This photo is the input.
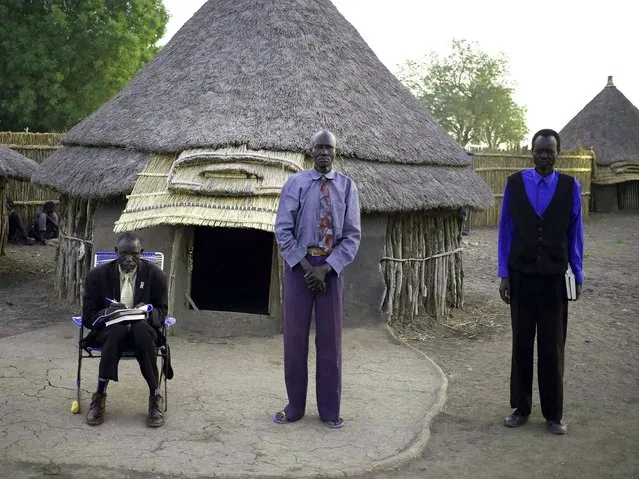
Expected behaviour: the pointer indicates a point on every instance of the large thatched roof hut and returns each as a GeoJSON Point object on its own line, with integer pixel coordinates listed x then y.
{"type": "Point", "coordinates": [203, 138]}
{"type": "Point", "coordinates": [609, 124]}
{"type": "Point", "coordinates": [12, 165]}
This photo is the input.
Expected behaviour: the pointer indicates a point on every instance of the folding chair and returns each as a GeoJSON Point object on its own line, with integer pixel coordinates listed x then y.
{"type": "Point", "coordinates": [85, 352]}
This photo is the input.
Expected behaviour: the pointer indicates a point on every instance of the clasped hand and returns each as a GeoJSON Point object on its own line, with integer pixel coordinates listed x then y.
{"type": "Point", "coordinates": [315, 276]}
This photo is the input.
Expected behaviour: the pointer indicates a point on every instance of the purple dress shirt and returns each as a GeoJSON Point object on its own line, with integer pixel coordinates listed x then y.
{"type": "Point", "coordinates": [297, 221]}
{"type": "Point", "coordinates": [540, 191]}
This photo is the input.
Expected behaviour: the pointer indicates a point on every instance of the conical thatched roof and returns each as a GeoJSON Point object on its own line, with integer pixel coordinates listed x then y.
{"type": "Point", "coordinates": [267, 75]}
{"type": "Point", "coordinates": [609, 124]}
{"type": "Point", "coordinates": [14, 165]}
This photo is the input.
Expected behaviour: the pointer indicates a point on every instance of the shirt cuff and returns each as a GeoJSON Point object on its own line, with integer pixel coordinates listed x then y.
{"type": "Point", "coordinates": [335, 264]}
{"type": "Point", "coordinates": [502, 271]}
{"type": "Point", "coordinates": [579, 277]}
{"type": "Point", "coordinates": [295, 256]}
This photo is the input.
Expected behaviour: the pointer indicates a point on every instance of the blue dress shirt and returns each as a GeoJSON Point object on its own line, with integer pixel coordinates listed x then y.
{"type": "Point", "coordinates": [540, 191]}
{"type": "Point", "coordinates": [297, 221]}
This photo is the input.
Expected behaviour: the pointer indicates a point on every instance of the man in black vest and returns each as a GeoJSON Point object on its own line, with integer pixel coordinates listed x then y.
{"type": "Point", "coordinates": [540, 233]}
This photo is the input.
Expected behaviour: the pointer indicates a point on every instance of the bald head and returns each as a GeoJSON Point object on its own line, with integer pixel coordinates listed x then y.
{"type": "Point", "coordinates": [323, 137]}
{"type": "Point", "coordinates": [323, 150]}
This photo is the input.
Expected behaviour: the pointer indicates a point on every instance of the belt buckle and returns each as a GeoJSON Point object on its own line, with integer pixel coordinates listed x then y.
{"type": "Point", "coordinates": [315, 251]}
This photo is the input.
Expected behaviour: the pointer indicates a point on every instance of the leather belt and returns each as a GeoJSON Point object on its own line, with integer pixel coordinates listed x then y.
{"type": "Point", "coordinates": [318, 252]}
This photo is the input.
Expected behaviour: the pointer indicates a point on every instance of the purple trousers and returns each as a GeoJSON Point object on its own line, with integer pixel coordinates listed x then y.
{"type": "Point", "coordinates": [298, 308]}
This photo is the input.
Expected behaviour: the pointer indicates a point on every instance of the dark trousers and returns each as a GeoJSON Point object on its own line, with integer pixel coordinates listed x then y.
{"type": "Point", "coordinates": [136, 336]}
{"type": "Point", "coordinates": [41, 236]}
{"type": "Point", "coordinates": [538, 302]}
{"type": "Point", "coordinates": [298, 308]}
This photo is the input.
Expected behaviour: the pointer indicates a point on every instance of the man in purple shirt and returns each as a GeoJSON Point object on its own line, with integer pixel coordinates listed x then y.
{"type": "Point", "coordinates": [318, 231]}
{"type": "Point", "coordinates": [540, 233]}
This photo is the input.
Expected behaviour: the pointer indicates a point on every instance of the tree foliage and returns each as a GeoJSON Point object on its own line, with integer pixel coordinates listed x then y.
{"type": "Point", "coordinates": [62, 59]}
{"type": "Point", "coordinates": [469, 95]}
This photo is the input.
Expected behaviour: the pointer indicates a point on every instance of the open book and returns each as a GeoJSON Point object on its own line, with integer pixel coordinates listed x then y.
{"type": "Point", "coordinates": [121, 315]}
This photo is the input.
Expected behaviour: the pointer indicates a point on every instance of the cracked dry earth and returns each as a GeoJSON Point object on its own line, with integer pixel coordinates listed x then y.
{"type": "Point", "coordinates": [220, 406]}
{"type": "Point", "coordinates": [467, 438]}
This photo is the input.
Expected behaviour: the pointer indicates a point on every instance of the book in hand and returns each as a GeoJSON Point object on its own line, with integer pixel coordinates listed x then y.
{"type": "Point", "coordinates": [571, 286]}
{"type": "Point", "coordinates": [123, 315]}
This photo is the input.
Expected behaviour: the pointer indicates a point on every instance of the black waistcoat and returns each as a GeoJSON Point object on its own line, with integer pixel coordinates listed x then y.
{"type": "Point", "coordinates": [540, 243]}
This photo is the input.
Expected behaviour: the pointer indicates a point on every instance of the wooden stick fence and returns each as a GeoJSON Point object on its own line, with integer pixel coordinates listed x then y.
{"type": "Point", "coordinates": [75, 250]}
{"type": "Point", "coordinates": [422, 266]}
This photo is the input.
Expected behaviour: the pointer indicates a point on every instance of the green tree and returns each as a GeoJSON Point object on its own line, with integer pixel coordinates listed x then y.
{"type": "Point", "coordinates": [469, 95]}
{"type": "Point", "coordinates": [62, 59]}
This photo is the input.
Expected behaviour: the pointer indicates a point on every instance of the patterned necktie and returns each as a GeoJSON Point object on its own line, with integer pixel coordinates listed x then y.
{"type": "Point", "coordinates": [126, 295]}
{"type": "Point", "coordinates": [325, 217]}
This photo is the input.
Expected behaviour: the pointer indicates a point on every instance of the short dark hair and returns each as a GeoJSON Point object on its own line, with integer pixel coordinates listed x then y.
{"type": "Point", "coordinates": [48, 207]}
{"type": "Point", "coordinates": [128, 236]}
{"type": "Point", "coordinates": [9, 202]}
{"type": "Point", "coordinates": [547, 132]}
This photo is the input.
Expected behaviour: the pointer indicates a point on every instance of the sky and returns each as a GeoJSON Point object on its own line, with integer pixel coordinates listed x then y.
{"type": "Point", "coordinates": [560, 53]}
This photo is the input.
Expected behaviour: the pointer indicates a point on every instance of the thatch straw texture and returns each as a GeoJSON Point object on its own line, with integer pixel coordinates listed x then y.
{"type": "Point", "coordinates": [91, 172]}
{"type": "Point", "coordinates": [266, 76]}
{"type": "Point", "coordinates": [609, 124]}
{"type": "Point", "coordinates": [152, 203]}
{"type": "Point", "coordinates": [232, 172]}
{"type": "Point", "coordinates": [495, 168]}
{"type": "Point", "coordinates": [404, 188]}
{"type": "Point", "coordinates": [616, 173]}
{"type": "Point", "coordinates": [15, 165]}
{"type": "Point", "coordinates": [240, 187]}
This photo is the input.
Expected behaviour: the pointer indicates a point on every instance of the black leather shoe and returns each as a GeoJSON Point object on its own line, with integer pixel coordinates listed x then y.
{"type": "Point", "coordinates": [558, 428]}
{"type": "Point", "coordinates": [155, 417]}
{"type": "Point", "coordinates": [516, 419]}
{"type": "Point", "coordinates": [95, 415]}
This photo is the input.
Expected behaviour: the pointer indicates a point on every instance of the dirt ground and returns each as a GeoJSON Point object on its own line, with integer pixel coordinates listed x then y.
{"type": "Point", "coordinates": [601, 380]}
{"type": "Point", "coordinates": [468, 439]}
{"type": "Point", "coordinates": [27, 300]}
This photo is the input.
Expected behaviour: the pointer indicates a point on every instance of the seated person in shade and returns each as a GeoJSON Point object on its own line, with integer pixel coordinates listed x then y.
{"type": "Point", "coordinates": [45, 224]}
{"type": "Point", "coordinates": [17, 231]}
{"type": "Point", "coordinates": [126, 282]}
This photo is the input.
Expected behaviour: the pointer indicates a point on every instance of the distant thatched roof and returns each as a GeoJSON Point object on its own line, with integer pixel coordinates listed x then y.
{"type": "Point", "coordinates": [91, 172]}
{"type": "Point", "coordinates": [609, 124]}
{"type": "Point", "coordinates": [14, 165]}
{"type": "Point", "coordinates": [267, 75]}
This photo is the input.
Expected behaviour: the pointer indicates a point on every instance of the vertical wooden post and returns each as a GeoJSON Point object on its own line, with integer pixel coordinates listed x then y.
{"type": "Point", "coordinates": [178, 242]}
{"type": "Point", "coordinates": [275, 287]}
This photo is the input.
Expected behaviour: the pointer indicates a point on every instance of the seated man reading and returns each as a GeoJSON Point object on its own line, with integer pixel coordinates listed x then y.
{"type": "Point", "coordinates": [126, 282]}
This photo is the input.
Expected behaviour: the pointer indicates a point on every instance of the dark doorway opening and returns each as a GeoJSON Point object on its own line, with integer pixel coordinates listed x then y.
{"type": "Point", "coordinates": [232, 269]}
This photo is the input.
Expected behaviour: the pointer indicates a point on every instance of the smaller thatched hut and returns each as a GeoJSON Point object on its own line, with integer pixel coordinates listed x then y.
{"type": "Point", "coordinates": [12, 165]}
{"type": "Point", "coordinates": [609, 125]}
